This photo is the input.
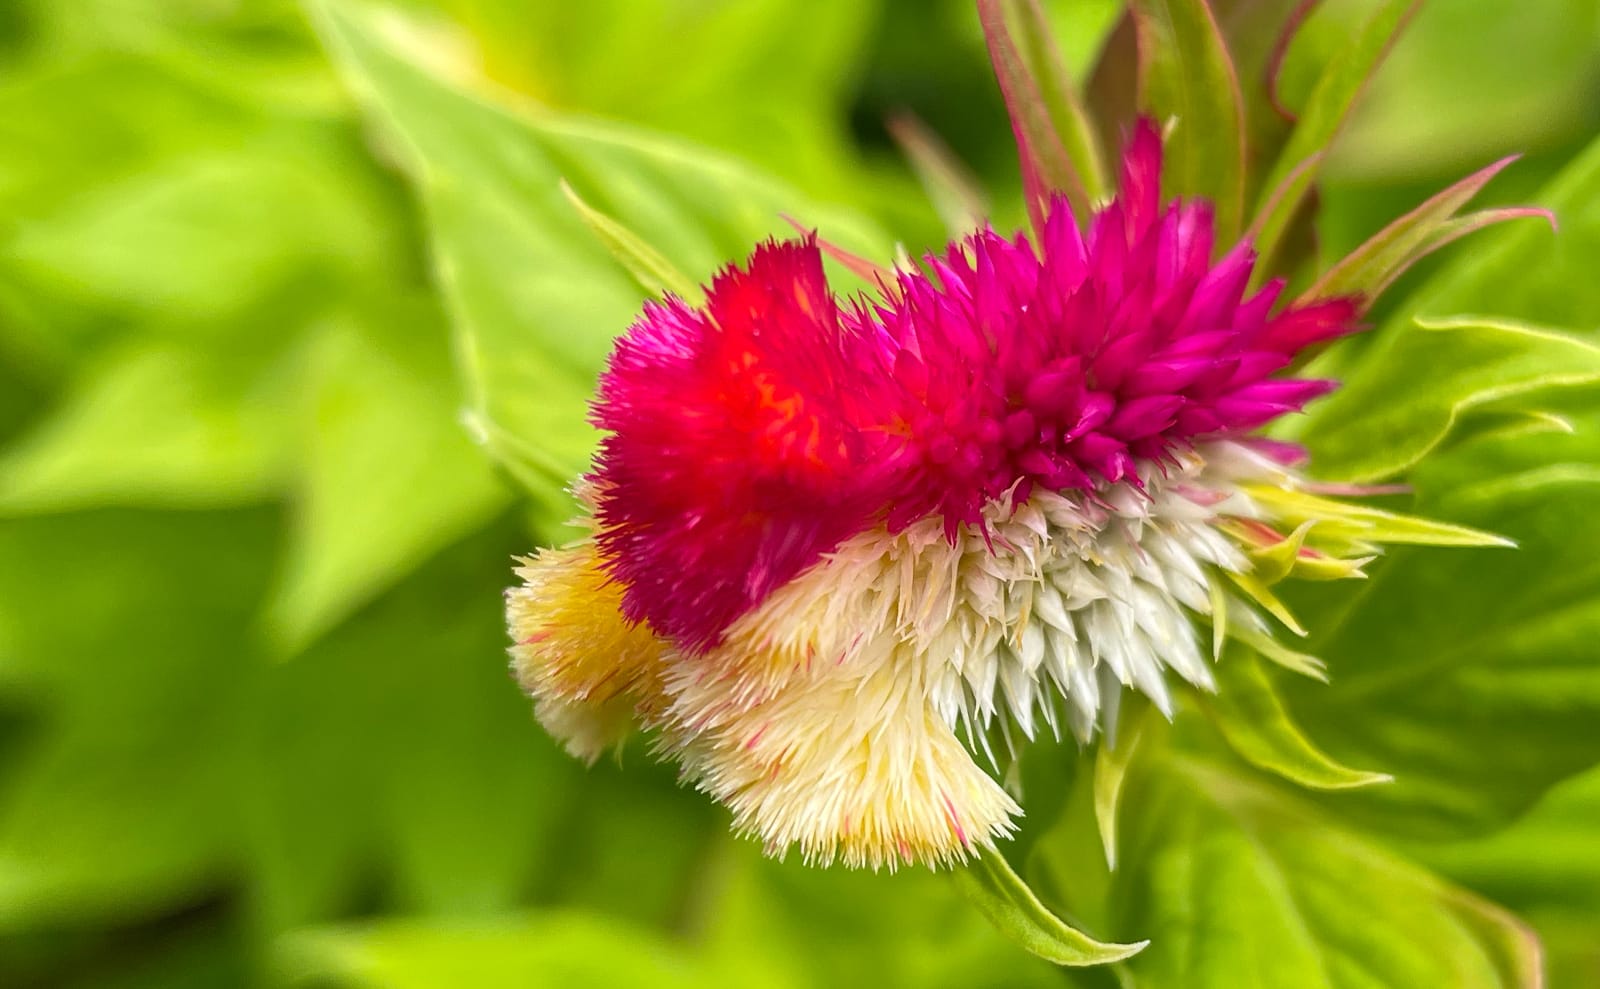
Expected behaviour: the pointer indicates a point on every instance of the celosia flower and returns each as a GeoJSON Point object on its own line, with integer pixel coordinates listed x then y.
{"type": "Point", "coordinates": [840, 548]}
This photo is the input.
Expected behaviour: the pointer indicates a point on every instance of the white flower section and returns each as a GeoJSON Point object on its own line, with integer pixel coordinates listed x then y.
{"type": "Point", "coordinates": [1067, 598]}
{"type": "Point", "coordinates": [830, 717]}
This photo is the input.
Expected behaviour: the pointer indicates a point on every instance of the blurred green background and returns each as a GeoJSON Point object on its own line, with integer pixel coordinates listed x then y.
{"type": "Point", "coordinates": [255, 720]}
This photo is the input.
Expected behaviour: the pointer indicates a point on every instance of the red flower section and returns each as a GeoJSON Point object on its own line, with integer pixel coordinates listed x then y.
{"type": "Point", "coordinates": [732, 462]}
{"type": "Point", "coordinates": [752, 436]}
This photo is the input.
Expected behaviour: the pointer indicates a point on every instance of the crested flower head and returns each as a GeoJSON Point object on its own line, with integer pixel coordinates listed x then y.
{"type": "Point", "coordinates": [752, 436]}
{"type": "Point", "coordinates": [840, 547]}
{"type": "Point", "coordinates": [845, 555]}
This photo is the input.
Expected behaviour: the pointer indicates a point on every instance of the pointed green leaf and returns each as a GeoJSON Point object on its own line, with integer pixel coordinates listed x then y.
{"type": "Point", "coordinates": [1261, 594]}
{"type": "Point", "coordinates": [1062, 98]}
{"type": "Point", "coordinates": [996, 890]}
{"type": "Point", "coordinates": [1387, 417]}
{"type": "Point", "coordinates": [159, 425]}
{"type": "Point", "coordinates": [954, 190]}
{"type": "Point", "coordinates": [1338, 87]}
{"type": "Point", "coordinates": [1386, 255]}
{"type": "Point", "coordinates": [390, 476]}
{"type": "Point", "coordinates": [654, 273]}
{"type": "Point", "coordinates": [1358, 522]}
{"type": "Point", "coordinates": [1244, 884]}
{"type": "Point", "coordinates": [1521, 270]}
{"type": "Point", "coordinates": [536, 300]}
{"type": "Point", "coordinates": [1243, 624]}
{"type": "Point", "coordinates": [1111, 764]}
{"type": "Point", "coordinates": [1187, 77]}
{"type": "Point", "coordinates": [1247, 710]}
{"type": "Point", "coordinates": [1047, 168]}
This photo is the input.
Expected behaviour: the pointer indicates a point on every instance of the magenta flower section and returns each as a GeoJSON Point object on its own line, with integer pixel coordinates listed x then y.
{"type": "Point", "coordinates": [750, 436]}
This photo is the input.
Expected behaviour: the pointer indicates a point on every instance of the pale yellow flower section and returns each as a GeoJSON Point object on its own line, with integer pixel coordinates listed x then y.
{"type": "Point", "coordinates": [843, 756]}
{"type": "Point", "coordinates": [587, 668]}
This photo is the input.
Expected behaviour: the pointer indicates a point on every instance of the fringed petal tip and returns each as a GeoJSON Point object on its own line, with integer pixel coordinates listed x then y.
{"type": "Point", "coordinates": [587, 668]}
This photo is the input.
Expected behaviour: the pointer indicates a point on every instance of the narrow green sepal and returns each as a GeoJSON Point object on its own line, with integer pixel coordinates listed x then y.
{"type": "Point", "coordinates": [1342, 519]}
{"type": "Point", "coordinates": [654, 273]}
{"type": "Point", "coordinates": [1255, 722]}
{"type": "Point", "coordinates": [990, 883]}
{"type": "Point", "coordinates": [1111, 764]}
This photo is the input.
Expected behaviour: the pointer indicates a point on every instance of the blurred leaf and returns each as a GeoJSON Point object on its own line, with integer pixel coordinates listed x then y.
{"type": "Point", "coordinates": [1240, 885]}
{"type": "Point", "coordinates": [158, 425]}
{"type": "Point", "coordinates": [200, 239]}
{"type": "Point", "coordinates": [1062, 96]}
{"type": "Point", "coordinates": [1369, 269]}
{"type": "Point", "coordinates": [654, 273]}
{"type": "Point", "coordinates": [1525, 272]}
{"type": "Point", "coordinates": [125, 628]}
{"type": "Point", "coordinates": [1546, 867]}
{"type": "Point", "coordinates": [549, 950]}
{"type": "Point", "coordinates": [836, 927]}
{"type": "Point", "coordinates": [397, 758]}
{"type": "Point", "coordinates": [1001, 895]}
{"type": "Point", "coordinates": [536, 300]}
{"type": "Point", "coordinates": [953, 190]}
{"type": "Point", "coordinates": [1253, 720]}
{"type": "Point", "coordinates": [1472, 81]}
{"type": "Point", "coordinates": [201, 947]}
{"type": "Point", "coordinates": [1048, 167]}
{"type": "Point", "coordinates": [1549, 858]}
{"type": "Point", "coordinates": [1187, 76]}
{"type": "Point", "coordinates": [99, 119]}
{"type": "Point", "coordinates": [390, 475]}
{"type": "Point", "coordinates": [766, 79]}
{"type": "Point", "coordinates": [1111, 764]}
{"type": "Point", "coordinates": [1470, 674]}
{"type": "Point", "coordinates": [1385, 419]}
{"type": "Point", "coordinates": [1341, 82]}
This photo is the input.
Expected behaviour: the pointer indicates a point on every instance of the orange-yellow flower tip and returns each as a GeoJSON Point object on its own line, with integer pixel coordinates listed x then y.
{"type": "Point", "coordinates": [586, 666]}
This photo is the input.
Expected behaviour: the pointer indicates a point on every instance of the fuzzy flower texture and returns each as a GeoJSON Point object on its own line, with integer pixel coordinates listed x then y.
{"type": "Point", "coordinates": [846, 555]}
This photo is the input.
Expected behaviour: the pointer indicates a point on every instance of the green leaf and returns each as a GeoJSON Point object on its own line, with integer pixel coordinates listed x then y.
{"type": "Point", "coordinates": [1240, 884]}
{"type": "Point", "coordinates": [1470, 673]}
{"type": "Point", "coordinates": [1371, 268]}
{"type": "Point", "coordinates": [159, 425]}
{"type": "Point", "coordinates": [1355, 522]}
{"type": "Point", "coordinates": [654, 273]}
{"type": "Point", "coordinates": [955, 192]}
{"type": "Point", "coordinates": [551, 949]}
{"type": "Point", "coordinates": [769, 80]}
{"type": "Point", "coordinates": [201, 239]}
{"type": "Point", "coordinates": [1250, 716]}
{"type": "Point", "coordinates": [1474, 81]}
{"type": "Point", "coordinates": [1062, 98]}
{"type": "Point", "coordinates": [1521, 271]}
{"type": "Point", "coordinates": [78, 124]}
{"type": "Point", "coordinates": [1047, 166]}
{"type": "Point", "coordinates": [398, 750]}
{"type": "Point", "coordinates": [1546, 866]}
{"type": "Point", "coordinates": [536, 301]}
{"type": "Point", "coordinates": [1001, 895]}
{"type": "Point", "coordinates": [836, 927]}
{"type": "Point", "coordinates": [1386, 419]}
{"type": "Point", "coordinates": [122, 633]}
{"type": "Point", "coordinates": [1187, 76]}
{"type": "Point", "coordinates": [1111, 764]}
{"type": "Point", "coordinates": [1338, 87]}
{"type": "Point", "coordinates": [390, 476]}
